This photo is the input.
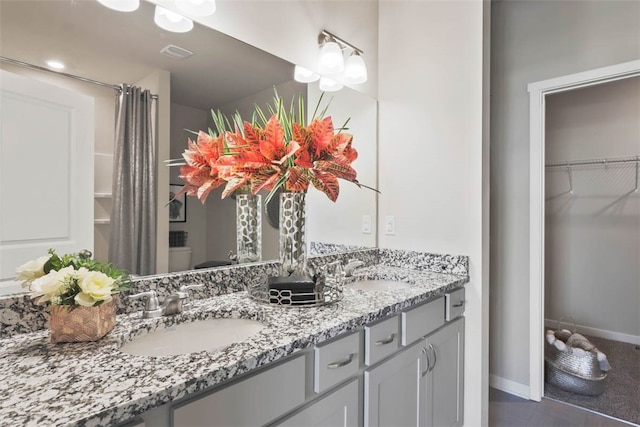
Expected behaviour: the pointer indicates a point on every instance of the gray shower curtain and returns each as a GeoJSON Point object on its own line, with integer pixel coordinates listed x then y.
{"type": "Point", "coordinates": [132, 245]}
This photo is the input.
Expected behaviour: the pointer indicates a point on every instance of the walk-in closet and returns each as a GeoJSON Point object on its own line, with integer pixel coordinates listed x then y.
{"type": "Point", "coordinates": [592, 234]}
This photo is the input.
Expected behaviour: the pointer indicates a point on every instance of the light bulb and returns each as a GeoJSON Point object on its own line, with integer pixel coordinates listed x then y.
{"type": "Point", "coordinates": [171, 21]}
{"type": "Point", "coordinates": [197, 7]}
{"type": "Point", "coordinates": [329, 85]}
{"type": "Point", "coordinates": [355, 70]}
{"type": "Point", "coordinates": [121, 5]}
{"type": "Point", "coordinates": [331, 59]}
{"type": "Point", "coordinates": [303, 75]}
{"type": "Point", "coordinates": [56, 65]}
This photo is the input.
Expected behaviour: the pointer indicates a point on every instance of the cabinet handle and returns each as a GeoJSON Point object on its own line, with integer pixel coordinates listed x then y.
{"type": "Point", "coordinates": [387, 340]}
{"type": "Point", "coordinates": [341, 363]}
{"type": "Point", "coordinates": [459, 304]}
{"type": "Point", "coordinates": [426, 353]}
{"type": "Point", "coordinates": [435, 357]}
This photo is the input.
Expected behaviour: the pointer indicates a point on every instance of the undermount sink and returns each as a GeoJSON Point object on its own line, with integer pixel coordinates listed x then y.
{"type": "Point", "coordinates": [192, 337]}
{"type": "Point", "coordinates": [378, 285]}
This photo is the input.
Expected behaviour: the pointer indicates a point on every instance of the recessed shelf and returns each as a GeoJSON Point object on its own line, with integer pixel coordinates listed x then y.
{"type": "Point", "coordinates": [101, 221]}
{"type": "Point", "coordinates": [102, 195]}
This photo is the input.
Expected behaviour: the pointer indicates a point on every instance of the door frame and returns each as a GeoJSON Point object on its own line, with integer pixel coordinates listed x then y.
{"type": "Point", "coordinates": [537, 98]}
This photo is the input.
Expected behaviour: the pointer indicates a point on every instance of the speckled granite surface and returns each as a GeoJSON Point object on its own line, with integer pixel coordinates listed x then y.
{"type": "Point", "coordinates": [95, 384]}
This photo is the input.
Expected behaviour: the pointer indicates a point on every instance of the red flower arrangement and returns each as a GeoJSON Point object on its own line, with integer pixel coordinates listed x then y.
{"type": "Point", "coordinates": [282, 153]}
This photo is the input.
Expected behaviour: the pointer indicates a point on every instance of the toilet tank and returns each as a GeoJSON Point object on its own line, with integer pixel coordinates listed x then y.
{"type": "Point", "coordinates": [179, 259]}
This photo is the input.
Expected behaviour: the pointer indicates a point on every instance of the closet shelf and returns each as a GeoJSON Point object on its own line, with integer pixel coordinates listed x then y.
{"type": "Point", "coordinates": [101, 221]}
{"type": "Point", "coordinates": [603, 162]}
{"type": "Point", "coordinates": [102, 195]}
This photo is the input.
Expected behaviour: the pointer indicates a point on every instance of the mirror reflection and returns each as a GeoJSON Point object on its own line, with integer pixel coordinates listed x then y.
{"type": "Point", "coordinates": [221, 73]}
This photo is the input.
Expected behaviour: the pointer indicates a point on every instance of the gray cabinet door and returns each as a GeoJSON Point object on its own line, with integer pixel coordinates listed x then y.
{"type": "Point", "coordinates": [338, 409]}
{"type": "Point", "coordinates": [393, 390]}
{"type": "Point", "coordinates": [444, 381]}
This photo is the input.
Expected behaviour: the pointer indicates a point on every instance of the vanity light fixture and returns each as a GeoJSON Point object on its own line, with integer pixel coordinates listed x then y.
{"type": "Point", "coordinates": [171, 21]}
{"type": "Point", "coordinates": [303, 75]}
{"type": "Point", "coordinates": [55, 64]}
{"type": "Point", "coordinates": [331, 61]}
{"type": "Point", "coordinates": [197, 7]}
{"type": "Point", "coordinates": [355, 70]}
{"type": "Point", "coordinates": [329, 85]}
{"type": "Point", "coordinates": [121, 5]}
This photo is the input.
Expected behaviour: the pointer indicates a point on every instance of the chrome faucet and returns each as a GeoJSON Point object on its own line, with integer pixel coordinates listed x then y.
{"type": "Point", "coordinates": [351, 266]}
{"type": "Point", "coordinates": [173, 304]}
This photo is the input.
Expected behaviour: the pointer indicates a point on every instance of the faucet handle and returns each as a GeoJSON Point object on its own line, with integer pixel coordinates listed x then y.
{"type": "Point", "coordinates": [183, 293]}
{"type": "Point", "coordinates": [151, 305]}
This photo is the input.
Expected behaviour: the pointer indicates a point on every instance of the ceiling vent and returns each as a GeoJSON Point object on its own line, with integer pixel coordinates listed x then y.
{"type": "Point", "coordinates": [176, 51]}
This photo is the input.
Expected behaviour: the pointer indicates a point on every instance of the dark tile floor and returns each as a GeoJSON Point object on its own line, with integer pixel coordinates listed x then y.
{"type": "Point", "coordinates": [506, 410]}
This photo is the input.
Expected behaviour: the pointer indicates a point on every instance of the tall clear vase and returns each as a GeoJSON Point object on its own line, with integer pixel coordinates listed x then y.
{"type": "Point", "coordinates": [292, 226]}
{"type": "Point", "coordinates": [248, 227]}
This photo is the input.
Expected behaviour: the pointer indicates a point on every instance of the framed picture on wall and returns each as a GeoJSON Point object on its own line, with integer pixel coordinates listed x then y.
{"type": "Point", "coordinates": [177, 205]}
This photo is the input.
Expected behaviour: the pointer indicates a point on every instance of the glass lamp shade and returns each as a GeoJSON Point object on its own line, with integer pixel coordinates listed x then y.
{"type": "Point", "coordinates": [304, 75]}
{"type": "Point", "coordinates": [331, 60]}
{"type": "Point", "coordinates": [172, 21]}
{"type": "Point", "coordinates": [355, 70]}
{"type": "Point", "coordinates": [329, 85]}
{"type": "Point", "coordinates": [197, 7]}
{"type": "Point", "coordinates": [121, 5]}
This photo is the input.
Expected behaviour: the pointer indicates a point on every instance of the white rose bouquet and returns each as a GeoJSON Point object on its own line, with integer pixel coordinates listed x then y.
{"type": "Point", "coordinates": [71, 280]}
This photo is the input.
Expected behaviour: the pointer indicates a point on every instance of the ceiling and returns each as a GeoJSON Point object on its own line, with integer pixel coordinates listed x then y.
{"type": "Point", "coordinates": [116, 47]}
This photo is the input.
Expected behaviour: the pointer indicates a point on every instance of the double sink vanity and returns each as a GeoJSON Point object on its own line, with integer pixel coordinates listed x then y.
{"type": "Point", "coordinates": [389, 353]}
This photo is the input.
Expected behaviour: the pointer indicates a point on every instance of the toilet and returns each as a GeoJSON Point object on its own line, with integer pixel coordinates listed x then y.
{"type": "Point", "coordinates": [179, 258]}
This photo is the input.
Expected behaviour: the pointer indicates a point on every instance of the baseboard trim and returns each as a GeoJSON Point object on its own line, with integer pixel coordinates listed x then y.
{"type": "Point", "coordinates": [595, 332]}
{"type": "Point", "coordinates": [509, 386]}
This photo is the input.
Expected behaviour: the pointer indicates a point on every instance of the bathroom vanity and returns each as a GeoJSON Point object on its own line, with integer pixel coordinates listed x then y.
{"type": "Point", "coordinates": [376, 358]}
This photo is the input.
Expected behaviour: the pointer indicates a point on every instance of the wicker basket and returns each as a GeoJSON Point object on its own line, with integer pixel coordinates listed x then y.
{"type": "Point", "coordinates": [82, 323]}
{"type": "Point", "coordinates": [571, 372]}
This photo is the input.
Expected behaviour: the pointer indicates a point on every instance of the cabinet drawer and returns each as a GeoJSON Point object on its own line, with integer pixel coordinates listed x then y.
{"type": "Point", "coordinates": [381, 340]}
{"type": "Point", "coordinates": [422, 320]}
{"type": "Point", "coordinates": [253, 401]}
{"type": "Point", "coordinates": [454, 303]}
{"type": "Point", "coordinates": [335, 361]}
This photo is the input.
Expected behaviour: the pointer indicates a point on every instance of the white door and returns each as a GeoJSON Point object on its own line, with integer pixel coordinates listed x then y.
{"type": "Point", "coordinates": [46, 172]}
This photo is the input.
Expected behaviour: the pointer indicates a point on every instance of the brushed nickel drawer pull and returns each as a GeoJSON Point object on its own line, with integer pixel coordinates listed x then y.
{"type": "Point", "coordinates": [459, 304]}
{"type": "Point", "coordinates": [341, 363]}
{"type": "Point", "coordinates": [387, 340]}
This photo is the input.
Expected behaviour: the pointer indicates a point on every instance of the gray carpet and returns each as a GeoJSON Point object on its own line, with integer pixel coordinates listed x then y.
{"type": "Point", "coordinates": [621, 398]}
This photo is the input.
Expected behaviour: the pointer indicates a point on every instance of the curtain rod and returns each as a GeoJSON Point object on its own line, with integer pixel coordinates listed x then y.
{"type": "Point", "coordinates": [72, 76]}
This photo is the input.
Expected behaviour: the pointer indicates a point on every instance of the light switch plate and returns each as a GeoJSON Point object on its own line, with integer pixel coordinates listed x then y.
{"type": "Point", "coordinates": [366, 224]}
{"type": "Point", "coordinates": [390, 225]}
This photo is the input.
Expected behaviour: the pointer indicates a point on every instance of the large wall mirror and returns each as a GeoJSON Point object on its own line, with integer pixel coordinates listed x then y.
{"type": "Point", "coordinates": [223, 73]}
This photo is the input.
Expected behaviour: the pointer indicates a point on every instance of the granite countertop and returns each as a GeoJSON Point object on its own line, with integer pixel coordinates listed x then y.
{"type": "Point", "coordinates": [95, 384]}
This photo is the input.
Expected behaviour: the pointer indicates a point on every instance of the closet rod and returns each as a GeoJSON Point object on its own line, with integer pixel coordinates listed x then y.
{"type": "Point", "coordinates": [604, 161]}
{"type": "Point", "coordinates": [72, 76]}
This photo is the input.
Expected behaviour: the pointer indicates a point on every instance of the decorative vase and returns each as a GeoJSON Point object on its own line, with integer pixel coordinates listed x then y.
{"type": "Point", "coordinates": [82, 323]}
{"type": "Point", "coordinates": [292, 227]}
{"type": "Point", "coordinates": [248, 227]}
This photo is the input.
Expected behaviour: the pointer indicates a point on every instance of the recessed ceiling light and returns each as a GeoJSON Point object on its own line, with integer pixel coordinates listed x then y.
{"type": "Point", "coordinates": [56, 65]}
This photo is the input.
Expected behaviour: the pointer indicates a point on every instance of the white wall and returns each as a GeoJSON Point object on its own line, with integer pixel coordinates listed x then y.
{"type": "Point", "coordinates": [341, 221]}
{"type": "Point", "coordinates": [534, 41]}
{"type": "Point", "coordinates": [592, 241]}
{"type": "Point", "coordinates": [183, 117]}
{"type": "Point", "coordinates": [431, 150]}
